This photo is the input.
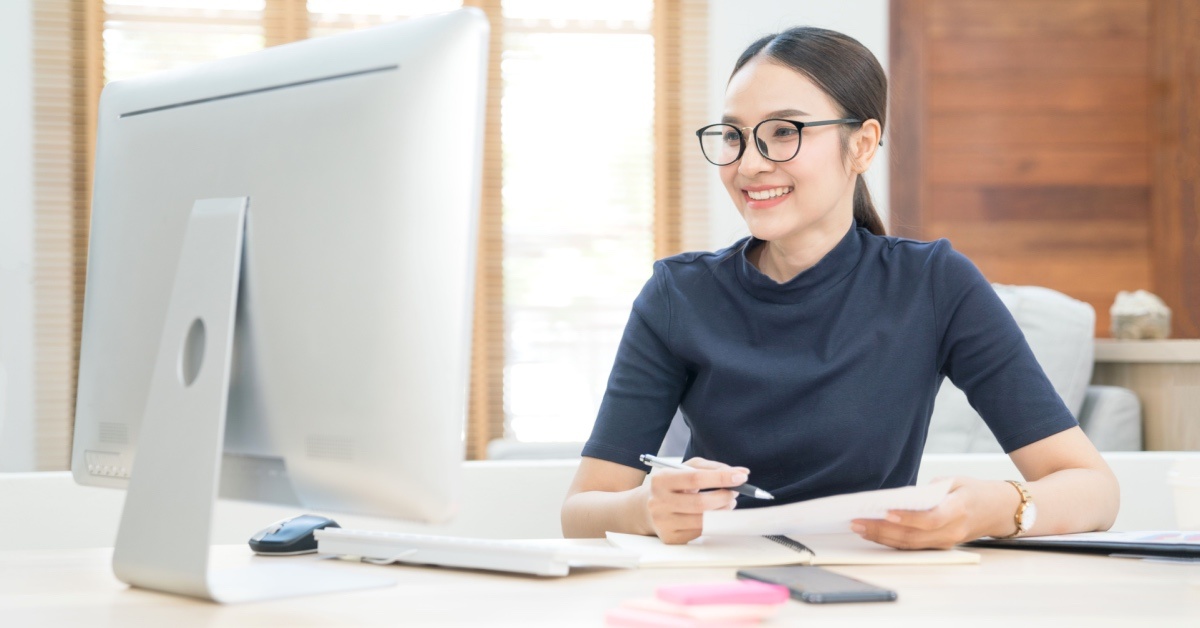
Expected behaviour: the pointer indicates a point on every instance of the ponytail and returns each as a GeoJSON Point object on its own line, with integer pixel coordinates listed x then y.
{"type": "Point", "coordinates": [864, 209]}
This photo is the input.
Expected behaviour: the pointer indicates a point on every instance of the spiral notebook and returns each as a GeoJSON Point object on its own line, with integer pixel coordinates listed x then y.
{"type": "Point", "coordinates": [761, 551]}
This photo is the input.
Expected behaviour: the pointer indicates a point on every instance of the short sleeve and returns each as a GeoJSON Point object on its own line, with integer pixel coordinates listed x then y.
{"type": "Point", "coordinates": [984, 352]}
{"type": "Point", "coordinates": [645, 385]}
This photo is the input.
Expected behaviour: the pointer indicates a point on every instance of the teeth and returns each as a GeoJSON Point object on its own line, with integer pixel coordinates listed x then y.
{"type": "Point", "coordinates": [763, 195]}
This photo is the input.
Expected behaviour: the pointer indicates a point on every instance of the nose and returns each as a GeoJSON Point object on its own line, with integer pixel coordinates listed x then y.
{"type": "Point", "coordinates": [753, 162]}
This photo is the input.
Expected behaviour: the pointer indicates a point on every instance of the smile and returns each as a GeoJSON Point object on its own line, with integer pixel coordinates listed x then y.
{"type": "Point", "coordinates": [762, 195]}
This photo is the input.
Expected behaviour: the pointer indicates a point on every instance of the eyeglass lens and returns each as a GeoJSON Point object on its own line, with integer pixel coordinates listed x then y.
{"type": "Point", "coordinates": [777, 140]}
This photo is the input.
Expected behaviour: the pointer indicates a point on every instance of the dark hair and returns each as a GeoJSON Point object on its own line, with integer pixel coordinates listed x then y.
{"type": "Point", "coordinates": [845, 70]}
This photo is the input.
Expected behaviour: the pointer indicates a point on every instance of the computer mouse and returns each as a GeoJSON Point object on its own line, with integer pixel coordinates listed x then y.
{"type": "Point", "coordinates": [290, 536]}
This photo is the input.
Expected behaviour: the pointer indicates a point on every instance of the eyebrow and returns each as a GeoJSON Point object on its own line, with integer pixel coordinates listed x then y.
{"type": "Point", "coordinates": [782, 113]}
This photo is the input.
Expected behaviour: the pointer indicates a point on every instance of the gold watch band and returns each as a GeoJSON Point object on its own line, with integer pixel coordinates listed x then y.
{"type": "Point", "coordinates": [1026, 499]}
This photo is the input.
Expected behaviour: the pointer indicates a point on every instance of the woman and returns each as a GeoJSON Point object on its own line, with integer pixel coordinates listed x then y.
{"type": "Point", "coordinates": [811, 351]}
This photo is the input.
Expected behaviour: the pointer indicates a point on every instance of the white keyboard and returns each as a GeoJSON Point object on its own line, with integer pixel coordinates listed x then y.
{"type": "Point", "coordinates": [541, 557]}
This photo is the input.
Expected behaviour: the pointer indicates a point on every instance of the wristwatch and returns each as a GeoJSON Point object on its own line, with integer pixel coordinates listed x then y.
{"type": "Point", "coordinates": [1026, 513]}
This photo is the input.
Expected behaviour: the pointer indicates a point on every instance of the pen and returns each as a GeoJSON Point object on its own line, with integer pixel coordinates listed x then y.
{"type": "Point", "coordinates": [745, 489]}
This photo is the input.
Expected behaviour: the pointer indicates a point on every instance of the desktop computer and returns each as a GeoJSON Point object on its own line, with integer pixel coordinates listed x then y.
{"type": "Point", "coordinates": [279, 292]}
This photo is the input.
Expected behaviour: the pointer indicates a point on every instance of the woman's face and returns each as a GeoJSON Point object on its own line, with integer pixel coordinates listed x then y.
{"type": "Point", "coordinates": [812, 191]}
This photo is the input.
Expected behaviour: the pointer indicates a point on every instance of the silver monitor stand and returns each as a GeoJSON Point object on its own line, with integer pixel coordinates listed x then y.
{"type": "Point", "coordinates": [163, 539]}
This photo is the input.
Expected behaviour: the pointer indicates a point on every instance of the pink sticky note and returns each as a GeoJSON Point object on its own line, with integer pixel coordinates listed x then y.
{"type": "Point", "coordinates": [734, 592]}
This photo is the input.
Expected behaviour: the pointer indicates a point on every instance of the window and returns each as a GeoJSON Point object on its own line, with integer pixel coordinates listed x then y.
{"type": "Point", "coordinates": [143, 36]}
{"type": "Point", "coordinates": [571, 218]}
{"type": "Point", "coordinates": [578, 203]}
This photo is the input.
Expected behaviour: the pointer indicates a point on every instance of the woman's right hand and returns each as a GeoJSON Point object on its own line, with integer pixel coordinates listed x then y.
{"type": "Point", "coordinates": [678, 499]}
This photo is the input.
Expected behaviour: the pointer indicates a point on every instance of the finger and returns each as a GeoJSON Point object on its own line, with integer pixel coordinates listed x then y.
{"type": "Point", "coordinates": [701, 463]}
{"type": "Point", "coordinates": [679, 537]}
{"type": "Point", "coordinates": [900, 537]}
{"type": "Point", "coordinates": [698, 503]}
{"type": "Point", "coordinates": [907, 537]}
{"type": "Point", "coordinates": [701, 479]}
{"type": "Point", "coordinates": [668, 523]}
{"type": "Point", "coordinates": [921, 519]}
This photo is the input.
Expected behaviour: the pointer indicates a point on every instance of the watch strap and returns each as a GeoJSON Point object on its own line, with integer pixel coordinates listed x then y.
{"type": "Point", "coordinates": [1019, 515]}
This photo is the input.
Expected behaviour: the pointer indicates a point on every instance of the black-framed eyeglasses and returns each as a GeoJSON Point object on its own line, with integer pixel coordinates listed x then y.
{"type": "Point", "coordinates": [776, 139]}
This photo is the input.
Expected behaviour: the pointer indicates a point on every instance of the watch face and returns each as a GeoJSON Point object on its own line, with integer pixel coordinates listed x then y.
{"type": "Point", "coordinates": [1029, 516]}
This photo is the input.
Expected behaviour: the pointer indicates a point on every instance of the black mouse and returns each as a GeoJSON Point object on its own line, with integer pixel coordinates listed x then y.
{"type": "Point", "coordinates": [290, 536]}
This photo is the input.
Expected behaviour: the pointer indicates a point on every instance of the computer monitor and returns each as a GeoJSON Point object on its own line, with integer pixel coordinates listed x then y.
{"type": "Point", "coordinates": [324, 195]}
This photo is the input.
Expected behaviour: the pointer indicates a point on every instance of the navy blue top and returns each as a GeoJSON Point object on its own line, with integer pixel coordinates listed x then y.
{"type": "Point", "coordinates": [824, 384]}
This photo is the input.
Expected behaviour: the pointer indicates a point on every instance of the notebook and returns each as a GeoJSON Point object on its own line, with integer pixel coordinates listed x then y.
{"type": "Point", "coordinates": [761, 551]}
{"type": "Point", "coordinates": [1162, 543]}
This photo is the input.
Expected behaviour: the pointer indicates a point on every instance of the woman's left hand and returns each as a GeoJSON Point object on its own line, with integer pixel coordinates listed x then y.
{"type": "Point", "coordinates": [942, 527]}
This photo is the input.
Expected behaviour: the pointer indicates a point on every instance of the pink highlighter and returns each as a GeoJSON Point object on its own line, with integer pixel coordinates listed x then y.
{"type": "Point", "coordinates": [735, 592]}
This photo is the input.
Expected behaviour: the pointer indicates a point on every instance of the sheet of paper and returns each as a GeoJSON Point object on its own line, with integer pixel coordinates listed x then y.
{"type": "Point", "coordinates": [728, 551]}
{"type": "Point", "coordinates": [824, 515]}
{"type": "Point", "coordinates": [752, 551]}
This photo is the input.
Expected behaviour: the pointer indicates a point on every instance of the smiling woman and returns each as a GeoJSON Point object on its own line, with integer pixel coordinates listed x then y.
{"type": "Point", "coordinates": [811, 351]}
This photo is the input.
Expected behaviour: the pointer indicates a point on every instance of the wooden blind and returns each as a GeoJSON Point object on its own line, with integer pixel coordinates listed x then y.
{"type": "Point", "coordinates": [485, 420]}
{"type": "Point", "coordinates": [284, 21]}
{"type": "Point", "coordinates": [54, 227]}
{"type": "Point", "coordinates": [680, 87]}
{"type": "Point", "coordinates": [66, 42]}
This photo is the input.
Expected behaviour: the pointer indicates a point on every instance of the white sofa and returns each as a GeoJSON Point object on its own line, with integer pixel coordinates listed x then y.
{"type": "Point", "coordinates": [500, 499]}
{"type": "Point", "coordinates": [1060, 332]}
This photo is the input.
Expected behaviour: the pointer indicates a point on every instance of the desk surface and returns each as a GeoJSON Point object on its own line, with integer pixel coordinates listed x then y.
{"type": "Point", "coordinates": [1009, 588]}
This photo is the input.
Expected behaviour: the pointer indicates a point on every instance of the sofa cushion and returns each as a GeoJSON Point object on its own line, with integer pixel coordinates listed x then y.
{"type": "Point", "coordinates": [1060, 333]}
{"type": "Point", "coordinates": [1112, 418]}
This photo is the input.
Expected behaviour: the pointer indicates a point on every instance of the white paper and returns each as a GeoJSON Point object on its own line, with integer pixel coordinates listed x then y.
{"type": "Point", "coordinates": [752, 551]}
{"type": "Point", "coordinates": [824, 515]}
{"type": "Point", "coordinates": [727, 551]}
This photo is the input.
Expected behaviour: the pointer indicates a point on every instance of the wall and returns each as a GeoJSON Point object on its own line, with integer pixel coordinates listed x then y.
{"type": "Point", "coordinates": [1054, 143]}
{"type": "Point", "coordinates": [16, 236]}
{"type": "Point", "coordinates": [734, 24]}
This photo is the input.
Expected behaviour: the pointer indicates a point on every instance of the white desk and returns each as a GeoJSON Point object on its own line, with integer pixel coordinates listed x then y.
{"type": "Point", "coordinates": [1009, 589]}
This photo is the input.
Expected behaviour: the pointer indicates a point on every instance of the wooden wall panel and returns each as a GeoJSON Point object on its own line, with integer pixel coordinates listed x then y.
{"type": "Point", "coordinates": [1065, 95]}
{"type": "Point", "coordinates": [974, 130]}
{"type": "Point", "coordinates": [975, 203]}
{"type": "Point", "coordinates": [1033, 150]}
{"type": "Point", "coordinates": [1175, 132]}
{"type": "Point", "coordinates": [1039, 165]}
{"type": "Point", "coordinates": [1108, 57]}
{"type": "Point", "coordinates": [1035, 19]}
{"type": "Point", "coordinates": [906, 129]}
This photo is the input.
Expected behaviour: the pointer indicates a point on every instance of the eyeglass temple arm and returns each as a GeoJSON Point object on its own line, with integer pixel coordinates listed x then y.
{"type": "Point", "coordinates": [842, 121]}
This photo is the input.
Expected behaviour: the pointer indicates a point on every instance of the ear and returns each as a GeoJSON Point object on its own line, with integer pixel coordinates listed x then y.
{"type": "Point", "coordinates": [864, 144]}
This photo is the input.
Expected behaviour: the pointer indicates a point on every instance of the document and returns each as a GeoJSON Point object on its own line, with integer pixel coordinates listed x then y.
{"type": "Point", "coordinates": [824, 515]}
{"type": "Point", "coordinates": [761, 551]}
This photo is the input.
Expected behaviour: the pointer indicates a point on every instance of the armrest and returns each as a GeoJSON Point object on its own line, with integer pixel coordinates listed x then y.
{"type": "Point", "coordinates": [1112, 418]}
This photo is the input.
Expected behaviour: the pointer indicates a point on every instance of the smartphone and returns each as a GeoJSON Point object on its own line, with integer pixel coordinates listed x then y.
{"type": "Point", "coordinates": [816, 585]}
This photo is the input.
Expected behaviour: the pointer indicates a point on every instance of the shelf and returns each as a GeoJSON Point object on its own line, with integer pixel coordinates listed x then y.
{"type": "Point", "coordinates": [1148, 351]}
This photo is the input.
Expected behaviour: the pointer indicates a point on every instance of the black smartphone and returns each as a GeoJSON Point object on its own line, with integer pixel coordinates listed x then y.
{"type": "Point", "coordinates": [816, 585]}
